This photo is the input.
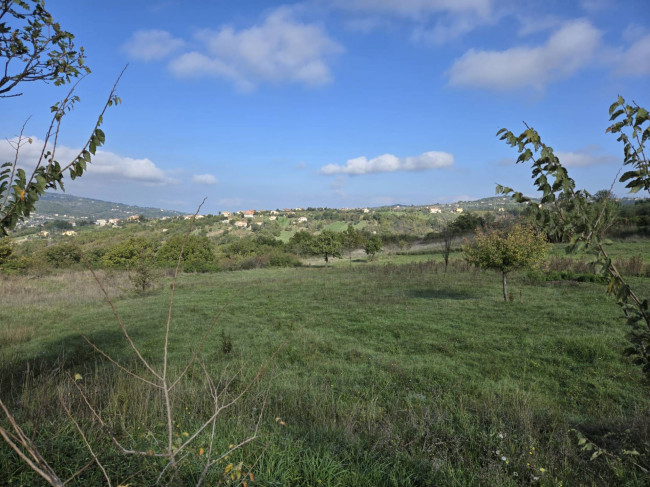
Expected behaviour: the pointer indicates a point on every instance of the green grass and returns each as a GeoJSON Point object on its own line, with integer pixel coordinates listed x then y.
{"type": "Point", "coordinates": [394, 374]}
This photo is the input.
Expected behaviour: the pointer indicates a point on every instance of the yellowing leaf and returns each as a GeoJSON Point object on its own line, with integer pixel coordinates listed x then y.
{"type": "Point", "coordinates": [201, 452]}
{"type": "Point", "coordinates": [78, 376]}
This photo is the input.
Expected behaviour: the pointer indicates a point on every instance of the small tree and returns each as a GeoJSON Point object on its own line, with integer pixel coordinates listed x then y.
{"type": "Point", "coordinates": [506, 250]}
{"type": "Point", "coordinates": [327, 244]}
{"type": "Point", "coordinates": [448, 234]}
{"type": "Point", "coordinates": [373, 246]}
{"type": "Point", "coordinates": [352, 240]}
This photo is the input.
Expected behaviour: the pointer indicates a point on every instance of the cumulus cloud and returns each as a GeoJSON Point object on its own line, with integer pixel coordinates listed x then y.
{"type": "Point", "coordinates": [569, 49]}
{"type": "Point", "coordinates": [280, 49]}
{"type": "Point", "coordinates": [151, 45]}
{"type": "Point", "coordinates": [589, 156]}
{"type": "Point", "coordinates": [391, 163]}
{"type": "Point", "coordinates": [104, 163]}
{"type": "Point", "coordinates": [208, 179]}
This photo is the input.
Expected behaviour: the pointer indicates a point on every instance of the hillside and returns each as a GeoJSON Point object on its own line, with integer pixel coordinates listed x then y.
{"type": "Point", "coordinates": [69, 207]}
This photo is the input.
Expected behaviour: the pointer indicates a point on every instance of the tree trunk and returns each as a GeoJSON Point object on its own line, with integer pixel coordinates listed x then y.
{"type": "Point", "coordinates": [505, 287]}
{"type": "Point", "coordinates": [326, 260]}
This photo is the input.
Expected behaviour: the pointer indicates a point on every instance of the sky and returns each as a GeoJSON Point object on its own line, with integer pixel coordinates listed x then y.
{"type": "Point", "coordinates": [342, 103]}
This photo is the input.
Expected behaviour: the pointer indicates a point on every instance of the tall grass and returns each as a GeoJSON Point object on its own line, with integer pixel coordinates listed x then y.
{"type": "Point", "coordinates": [396, 375]}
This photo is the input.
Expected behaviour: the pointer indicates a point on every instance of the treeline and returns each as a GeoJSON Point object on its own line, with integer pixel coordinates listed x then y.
{"type": "Point", "coordinates": [197, 252]}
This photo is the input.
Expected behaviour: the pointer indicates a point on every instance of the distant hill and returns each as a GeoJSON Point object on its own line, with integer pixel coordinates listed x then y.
{"type": "Point", "coordinates": [68, 207]}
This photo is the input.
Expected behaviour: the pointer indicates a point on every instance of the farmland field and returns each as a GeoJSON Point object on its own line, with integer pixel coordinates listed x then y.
{"type": "Point", "coordinates": [391, 373]}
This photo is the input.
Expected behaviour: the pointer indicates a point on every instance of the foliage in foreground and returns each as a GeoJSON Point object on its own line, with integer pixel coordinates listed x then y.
{"type": "Point", "coordinates": [567, 211]}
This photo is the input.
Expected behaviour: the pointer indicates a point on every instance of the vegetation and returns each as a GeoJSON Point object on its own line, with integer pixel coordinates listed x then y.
{"type": "Point", "coordinates": [506, 250]}
{"type": "Point", "coordinates": [387, 379]}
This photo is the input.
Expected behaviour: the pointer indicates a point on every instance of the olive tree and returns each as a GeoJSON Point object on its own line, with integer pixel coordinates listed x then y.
{"type": "Point", "coordinates": [506, 250]}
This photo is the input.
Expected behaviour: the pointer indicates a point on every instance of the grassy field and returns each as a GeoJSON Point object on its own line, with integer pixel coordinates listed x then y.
{"type": "Point", "coordinates": [393, 374]}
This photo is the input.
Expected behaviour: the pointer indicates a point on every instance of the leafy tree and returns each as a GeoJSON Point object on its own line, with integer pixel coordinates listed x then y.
{"type": "Point", "coordinates": [34, 47]}
{"type": "Point", "coordinates": [352, 240]}
{"type": "Point", "coordinates": [128, 253]}
{"type": "Point", "coordinates": [567, 207]}
{"type": "Point", "coordinates": [302, 242]}
{"type": "Point", "coordinates": [327, 244]}
{"type": "Point", "coordinates": [197, 253]}
{"type": "Point", "coordinates": [506, 250]}
{"type": "Point", "coordinates": [62, 255]}
{"type": "Point", "coordinates": [373, 246]}
{"type": "Point", "coordinates": [467, 222]}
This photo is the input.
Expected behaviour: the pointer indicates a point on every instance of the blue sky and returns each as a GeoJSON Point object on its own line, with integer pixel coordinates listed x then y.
{"type": "Point", "coordinates": [340, 103]}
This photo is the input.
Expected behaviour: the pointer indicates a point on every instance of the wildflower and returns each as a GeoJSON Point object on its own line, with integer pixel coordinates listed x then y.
{"type": "Point", "coordinates": [504, 459]}
{"type": "Point", "coordinates": [542, 469]}
{"type": "Point", "coordinates": [498, 452]}
{"type": "Point", "coordinates": [515, 474]}
{"type": "Point", "coordinates": [501, 435]}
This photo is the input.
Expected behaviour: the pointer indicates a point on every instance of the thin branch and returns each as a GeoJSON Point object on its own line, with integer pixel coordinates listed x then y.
{"type": "Point", "coordinates": [117, 317]}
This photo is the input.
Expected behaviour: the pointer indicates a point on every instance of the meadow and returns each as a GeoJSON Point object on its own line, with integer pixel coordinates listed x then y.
{"type": "Point", "coordinates": [386, 373]}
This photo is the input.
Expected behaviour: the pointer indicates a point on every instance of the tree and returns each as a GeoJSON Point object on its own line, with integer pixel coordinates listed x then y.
{"type": "Point", "coordinates": [302, 242]}
{"type": "Point", "coordinates": [506, 250]}
{"type": "Point", "coordinates": [197, 255]}
{"type": "Point", "coordinates": [327, 244]}
{"type": "Point", "coordinates": [448, 234]}
{"type": "Point", "coordinates": [352, 240]}
{"type": "Point", "coordinates": [373, 246]}
{"type": "Point", "coordinates": [34, 47]}
{"type": "Point", "coordinates": [129, 253]}
{"type": "Point", "coordinates": [30, 37]}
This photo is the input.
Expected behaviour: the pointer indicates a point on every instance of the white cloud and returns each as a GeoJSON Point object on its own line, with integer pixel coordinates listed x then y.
{"type": "Point", "coordinates": [104, 164]}
{"type": "Point", "coordinates": [634, 61]}
{"type": "Point", "coordinates": [416, 8]}
{"type": "Point", "coordinates": [281, 49]}
{"type": "Point", "coordinates": [436, 21]}
{"type": "Point", "coordinates": [391, 163]}
{"type": "Point", "coordinates": [150, 45]}
{"type": "Point", "coordinates": [569, 49]}
{"type": "Point", "coordinates": [589, 156]}
{"type": "Point", "coordinates": [204, 179]}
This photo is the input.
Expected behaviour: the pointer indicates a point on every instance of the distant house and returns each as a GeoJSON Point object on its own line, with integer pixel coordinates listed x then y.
{"type": "Point", "coordinates": [459, 210]}
{"type": "Point", "coordinates": [241, 224]}
{"type": "Point", "coordinates": [249, 213]}
{"type": "Point", "coordinates": [435, 210]}
{"type": "Point", "coordinates": [366, 210]}
{"type": "Point", "coordinates": [298, 209]}
{"type": "Point", "coordinates": [257, 223]}
{"type": "Point", "coordinates": [70, 233]}
{"type": "Point", "coordinates": [273, 218]}
{"type": "Point", "coordinates": [101, 223]}
{"type": "Point", "coordinates": [133, 218]}
{"type": "Point", "coordinates": [113, 221]}
{"type": "Point", "coordinates": [44, 233]}
{"type": "Point", "coordinates": [302, 219]}
{"type": "Point", "coordinates": [225, 213]}
{"type": "Point", "coordinates": [273, 212]}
